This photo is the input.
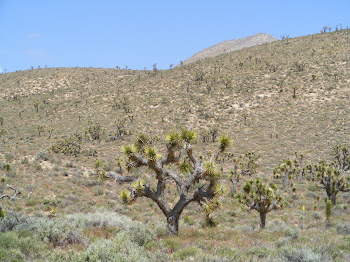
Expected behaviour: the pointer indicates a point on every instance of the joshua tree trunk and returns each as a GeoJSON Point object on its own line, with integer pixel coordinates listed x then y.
{"type": "Point", "coordinates": [333, 198]}
{"type": "Point", "coordinates": [262, 219]}
{"type": "Point", "coordinates": [173, 224]}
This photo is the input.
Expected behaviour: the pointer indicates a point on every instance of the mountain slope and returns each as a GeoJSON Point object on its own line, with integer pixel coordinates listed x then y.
{"type": "Point", "coordinates": [230, 46]}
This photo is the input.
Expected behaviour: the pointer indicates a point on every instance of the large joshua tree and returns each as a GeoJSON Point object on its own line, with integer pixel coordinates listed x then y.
{"type": "Point", "coordinates": [261, 197]}
{"type": "Point", "coordinates": [196, 180]}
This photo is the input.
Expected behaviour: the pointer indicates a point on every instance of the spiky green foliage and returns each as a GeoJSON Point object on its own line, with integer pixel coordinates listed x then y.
{"type": "Point", "coordinates": [185, 167]}
{"type": "Point", "coordinates": [128, 151]}
{"type": "Point", "coordinates": [261, 197]}
{"type": "Point", "coordinates": [2, 213]}
{"type": "Point", "coordinates": [189, 136]}
{"type": "Point", "coordinates": [125, 196]}
{"type": "Point", "coordinates": [211, 171]}
{"type": "Point", "coordinates": [141, 142]}
{"type": "Point", "coordinates": [224, 142]}
{"type": "Point", "coordinates": [151, 153]}
{"type": "Point", "coordinates": [173, 139]}
{"type": "Point", "coordinates": [139, 184]}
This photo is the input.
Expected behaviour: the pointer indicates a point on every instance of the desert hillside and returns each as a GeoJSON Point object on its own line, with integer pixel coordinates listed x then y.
{"type": "Point", "coordinates": [230, 46]}
{"type": "Point", "coordinates": [272, 99]}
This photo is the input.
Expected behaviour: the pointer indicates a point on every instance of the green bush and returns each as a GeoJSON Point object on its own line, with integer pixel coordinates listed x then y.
{"type": "Point", "coordinates": [292, 232]}
{"type": "Point", "coordinates": [43, 155]}
{"type": "Point", "coordinates": [343, 228]}
{"type": "Point", "coordinates": [16, 248]}
{"type": "Point", "coordinates": [299, 254]}
{"type": "Point", "coordinates": [186, 252]}
{"type": "Point", "coordinates": [120, 248]}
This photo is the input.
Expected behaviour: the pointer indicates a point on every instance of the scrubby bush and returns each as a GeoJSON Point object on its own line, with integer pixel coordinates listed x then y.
{"type": "Point", "coordinates": [292, 232]}
{"type": "Point", "coordinates": [187, 252]}
{"type": "Point", "coordinates": [299, 254]}
{"type": "Point", "coordinates": [344, 228]}
{"type": "Point", "coordinates": [9, 157]}
{"type": "Point", "coordinates": [14, 220]}
{"type": "Point", "coordinates": [120, 248]}
{"type": "Point", "coordinates": [43, 155]}
{"type": "Point", "coordinates": [14, 247]}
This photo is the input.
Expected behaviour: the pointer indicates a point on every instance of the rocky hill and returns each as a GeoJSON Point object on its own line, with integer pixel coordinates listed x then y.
{"type": "Point", "coordinates": [230, 46]}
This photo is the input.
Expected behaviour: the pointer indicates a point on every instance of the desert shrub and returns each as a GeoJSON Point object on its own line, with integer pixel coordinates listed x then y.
{"type": "Point", "coordinates": [290, 231]}
{"type": "Point", "coordinates": [259, 252]}
{"type": "Point", "coordinates": [299, 254]}
{"type": "Point", "coordinates": [43, 155]}
{"type": "Point", "coordinates": [24, 161]}
{"type": "Point", "coordinates": [343, 228]}
{"type": "Point", "coordinates": [276, 225]}
{"type": "Point", "coordinates": [186, 252]}
{"type": "Point", "coordinates": [36, 165]}
{"type": "Point", "coordinates": [188, 220]}
{"type": "Point", "coordinates": [227, 253]}
{"type": "Point", "coordinates": [140, 234]}
{"type": "Point", "coordinates": [120, 248]}
{"type": "Point", "coordinates": [9, 157]}
{"type": "Point", "coordinates": [16, 248]}
{"type": "Point", "coordinates": [14, 220]}
{"type": "Point", "coordinates": [316, 215]}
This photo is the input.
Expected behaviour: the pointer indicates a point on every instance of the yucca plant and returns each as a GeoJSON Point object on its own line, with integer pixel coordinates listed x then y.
{"type": "Point", "coordinates": [261, 197]}
{"type": "Point", "coordinates": [151, 153]}
{"type": "Point", "coordinates": [125, 196]}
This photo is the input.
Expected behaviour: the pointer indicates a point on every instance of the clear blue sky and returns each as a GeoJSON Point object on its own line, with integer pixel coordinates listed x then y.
{"type": "Point", "coordinates": [106, 33]}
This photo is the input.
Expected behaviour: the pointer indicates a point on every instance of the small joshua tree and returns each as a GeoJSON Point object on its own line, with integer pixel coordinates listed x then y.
{"type": "Point", "coordinates": [261, 197]}
{"type": "Point", "coordinates": [196, 180]}
{"type": "Point", "coordinates": [285, 170]}
{"type": "Point", "coordinates": [341, 154]}
{"type": "Point", "coordinates": [332, 180]}
{"type": "Point", "coordinates": [1, 120]}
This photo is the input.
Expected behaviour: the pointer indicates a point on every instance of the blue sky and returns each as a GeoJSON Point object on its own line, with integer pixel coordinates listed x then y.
{"type": "Point", "coordinates": [138, 34]}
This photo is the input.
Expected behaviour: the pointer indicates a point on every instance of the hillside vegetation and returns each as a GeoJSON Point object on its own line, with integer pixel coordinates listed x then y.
{"type": "Point", "coordinates": [274, 100]}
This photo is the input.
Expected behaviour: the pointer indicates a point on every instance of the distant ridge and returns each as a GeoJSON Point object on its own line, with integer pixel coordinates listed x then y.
{"type": "Point", "coordinates": [230, 46]}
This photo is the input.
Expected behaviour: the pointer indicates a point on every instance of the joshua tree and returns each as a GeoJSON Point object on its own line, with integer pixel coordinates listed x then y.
{"type": "Point", "coordinates": [332, 180]}
{"type": "Point", "coordinates": [261, 197]}
{"type": "Point", "coordinates": [40, 129]}
{"type": "Point", "coordinates": [285, 170]}
{"type": "Point", "coordinates": [36, 106]}
{"type": "Point", "coordinates": [294, 91]}
{"type": "Point", "coordinates": [341, 154]}
{"type": "Point", "coordinates": [1, 120]}
{"type": "Point", "coordinates": [179, 166]}
{"type": "Point", "coordinates": [100, 173]}
{"type": "Point", "coordinates": [243, 166]}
